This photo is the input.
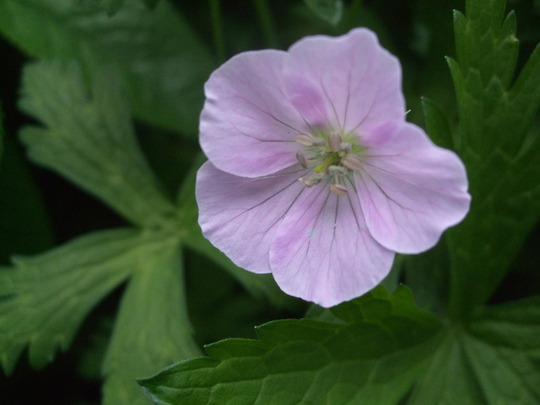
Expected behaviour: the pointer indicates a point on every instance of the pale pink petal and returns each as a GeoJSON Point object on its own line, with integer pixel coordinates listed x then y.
{"type": "Point", "coordinates": [248, 126]}
{"type": "Point", "coordinates": [240, 215]}
{"type": "Point", "coordinates": [410, 189]}
{"type": "Point", "coordinates": [359, 81]}
{"type": "Point", "coordinates": [323, 252]}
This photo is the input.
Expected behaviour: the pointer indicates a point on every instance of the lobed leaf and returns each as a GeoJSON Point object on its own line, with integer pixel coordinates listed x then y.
{"type": "Point", "coordinates": [377, 349]}
{"type": "Point", "coordinates": [88, 138]}
{"type": "Point", "coordinates": [499, 148]}
{"type": "Point", "coordinates": [44, 298]}
{"type": "Point", "coordinates": [152, 329]}
{"type": "Point", "coordinates": [372, 357]}
{"type": "Point", "coordinates": [162, 63]}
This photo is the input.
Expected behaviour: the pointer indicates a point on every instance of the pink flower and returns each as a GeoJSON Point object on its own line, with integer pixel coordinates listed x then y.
{"type": "Point", "coordinates": [313, 173]}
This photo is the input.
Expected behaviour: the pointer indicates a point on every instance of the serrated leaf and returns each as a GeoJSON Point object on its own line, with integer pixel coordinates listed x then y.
{"type": "Point", "coordinates": [152, 329]}
{"type": "Point", "coordinates": [501, 153]}
{"type": "Point", "coordinates": [328, 10]}
{"type": "Point", "coordinates": [493, 359]}
{"type": "Point", "coordinates": [371, 358]}
{"type": "Point", "coordinates": [89, 139]}
{"type": "Point", "coordinates": [261, 285]}
{"type": "Point", "coordinates": [163, 64]}
{"type": "Point", "coordinates": [44, 298]}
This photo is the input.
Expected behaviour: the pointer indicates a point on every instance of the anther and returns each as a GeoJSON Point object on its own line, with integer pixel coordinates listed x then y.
{"type": "Point", "coordinates": [302, 159]}
{"type": "Point", "coordinates": [337, 170]}
{"type": "Point", "coordinates": [334, 140]}
{"type": "Point", "coordinates": [338, 189]}
{"type": "Point", "coordinates": [318, 142]}
{"type": "Point", "coordinates": [345, 147]}
{"type": "Point", "coordinates": [352, 162]}
{"type": "Point", "coordinates": [311, 181]}
{"type": "Point", "coordinates": [305, 140]}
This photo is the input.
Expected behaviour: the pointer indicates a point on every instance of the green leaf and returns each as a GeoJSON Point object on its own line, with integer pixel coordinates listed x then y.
{"type": "Point", "coordinates": [437, 125]}
{"type": "Point", "coordinates": [498, 147]}
{"type": "Point", "coordinates": [377, 349]}
{"type": "Point", "coordinates": [152, 330]}
{"type": "Point", "coordinates": [112, 6]}
{"type": "Point", "coordinates": [372, 357]}
{"type": "Point", "coordinates": [495, 359]}
{"type": "Point", "coordinates": [89, 139]}
{"type": "Point", "coordinates": [163, 64]}
{"type": "Point", "coordinates": [329, 10]}
{"type": "Point", "coordinates": [44, 298]}
{"type": "Point", "coordinates": [261, 285]}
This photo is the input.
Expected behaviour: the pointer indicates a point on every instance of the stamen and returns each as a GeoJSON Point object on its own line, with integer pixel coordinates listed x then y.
{"type": "Point", "coordinates": [318, 142]}
{"type": "Point", "coordinates": [305, 140]}
{"type": "Point", "coordinates": [335, 140]}
{"type": "Point", "coordinates": [311, 181]}
{"type": "Point", "coordinates": [337, 170]}
{"type": "Point", "coordinates": [338, 189]}
{"type": "Point", "coordinates": [345, 147]}
{"type": "Point", "coordinates": [302, 159]}
{"type": "Point", "coordinates": [352, 162]}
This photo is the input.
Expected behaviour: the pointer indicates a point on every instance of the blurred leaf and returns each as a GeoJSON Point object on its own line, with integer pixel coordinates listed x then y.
{"type": "Point", "coordinates": [329, 10]}
{"type": "Point", "coordinates": [89, 139]}
{"type": "Point", "coordinates": [112, 6]}
{"type": "Point", "coordinates": [373, 357]}
{"type": "Point", "coordinates": [163, 64]}
{"type": "Point", "coordinates": [151, 3]}
{"type": "Point", "coordinates": [436, 124]}
{"type": "Point", "coordinates": [24, 224]}
{"type": "Point", "coordinates": [262, 285]}
{"type": "Point", "coordinates": [501, 156]}
{"type": "Point", "coordinates": [152, 330]}
{"type": "Point", "coordinates": [44, 298]}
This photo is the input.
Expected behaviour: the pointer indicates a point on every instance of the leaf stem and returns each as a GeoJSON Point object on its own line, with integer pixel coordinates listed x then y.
{"type": "Point", "coordinates": [217, 29]}
{"type": "Point", "coordinates": [267, 25]}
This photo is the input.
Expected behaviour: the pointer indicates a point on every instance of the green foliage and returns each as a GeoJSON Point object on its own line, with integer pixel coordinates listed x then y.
{"type": "Point", "coordinates": [493, 359]}
{"type": "Point", "coordinates": [153, 329]}
{"type": "Point", "coordinates": [329, 10]}
{"type": "Point", "coordinates": [381, 350]}
{"type": "Point", "coordinates": [44, 298]}
{"type": "Point", "coordinates": [163, 64]}
{"type": "Point", "coordinates": [373, 355]}
{"type": "Point", "coordinates": [89, 139]}
{"type": "Point", "coordinates": [495, 144]}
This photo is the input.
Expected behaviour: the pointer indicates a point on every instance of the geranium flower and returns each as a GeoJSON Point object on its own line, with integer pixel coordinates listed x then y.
{"type": "Point", "coordinates": [314, 175]}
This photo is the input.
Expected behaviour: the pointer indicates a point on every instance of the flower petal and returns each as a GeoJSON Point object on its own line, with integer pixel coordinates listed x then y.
{"type": "Point", "coordinates": [240, 216]}
{"type": "Point", "coordinates": [248, 125]}
{"type": "Point", "coordinates": [410, 189]}
{"type": "Point", "coordinates": [359, 80]}
{"type": "Point", "coordinates": [323, 252]}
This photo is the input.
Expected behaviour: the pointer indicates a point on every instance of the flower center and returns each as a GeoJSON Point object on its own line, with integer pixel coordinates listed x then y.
{"type": "Point", "coordinates": [330, 156]}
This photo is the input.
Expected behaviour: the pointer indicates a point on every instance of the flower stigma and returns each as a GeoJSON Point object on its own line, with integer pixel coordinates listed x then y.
{"type": "Point", "coordinates": [331, 157]}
